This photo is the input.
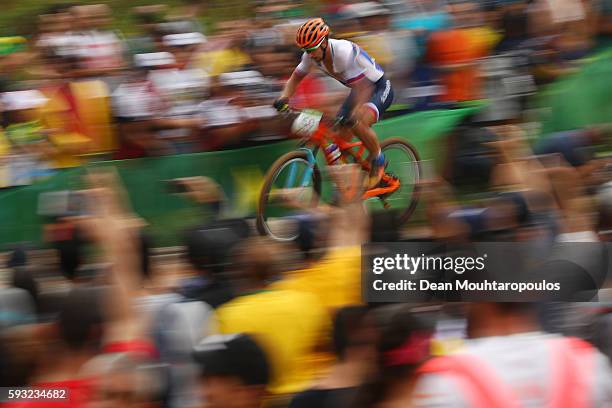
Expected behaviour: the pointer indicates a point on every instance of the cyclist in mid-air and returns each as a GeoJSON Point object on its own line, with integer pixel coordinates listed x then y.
{"type": "Point", "coordinates": [371, 92]}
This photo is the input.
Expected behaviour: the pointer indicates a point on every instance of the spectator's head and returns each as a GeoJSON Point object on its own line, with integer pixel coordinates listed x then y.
{"type": "Point", "coordinates": [466, 14]}
{"type": "Point", "coordinates": [55, 23]}
{"type": "Point", "coordinates": [501, 319]}
{"type": "Point", "coordinates": [372, 16]}
{"type": "Point", "coordinates": [354, 334]}
{"type": "Point", "coordinates": [515, 24]}
{"type": "Point", "coordinates": [276, 62]}
{"type": "Point", "coordinates": [23, 278]}
{"type": "Point", "coordinates": [147, 62]}
{"type": "Point", "coordinates": [20, 352]}
{"type": "Point", "coordinates": [205, 250]}
{"type": "Point", "coordinates": [313, 233]}
{"type": "Point", "coordinates": [404, 344]}
{"type": "Point", "coordinates": [127, 380]}
{"type": "Point", "coordinates": [100, 15]}
{"type": "Point", "coordinates": [234, 371]}
{"type": "Point", "coordinates": [209, 247]}
{"type": "Point", "coordinates": [221, 89]}
{"type": "Point", "coordinates": [183, 45]}
{"type": "Point", "coordinates": [82, 17]}
{"type": "Point", "coordinates": [81, 320]}
{"type": "Point", "coordinates": [259, 260]}
{"type": "Point", "coordinates": [22, 106]}
{"type": "Point", "coordinates": [148, 17]}
{"type": "Point", "coordinates": [17, 257]}
{"type": "Point", "coordinates": [385, 226]}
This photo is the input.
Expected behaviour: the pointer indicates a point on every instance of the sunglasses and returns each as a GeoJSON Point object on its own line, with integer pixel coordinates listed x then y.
{"type": "Point", "coordinates": [311, 49]}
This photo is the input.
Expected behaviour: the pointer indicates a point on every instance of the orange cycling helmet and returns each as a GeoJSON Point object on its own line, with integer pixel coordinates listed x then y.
{"type": "Point", "coordinates": [311, 33]}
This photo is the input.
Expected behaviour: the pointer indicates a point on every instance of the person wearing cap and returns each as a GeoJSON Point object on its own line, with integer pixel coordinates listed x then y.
{"type": "Point", "coordinates": [225, 118]}
{"type": "Point", "coordinates": [143, 107]}
{"type": "Point", "coordinates": [182, 45]}
{"type": "Point", "coordinates": [235, 371]}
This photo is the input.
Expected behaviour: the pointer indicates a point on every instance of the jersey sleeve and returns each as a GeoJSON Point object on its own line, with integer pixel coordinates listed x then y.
{"type": "Point", "coordinates": [345, 61]}
{"type": "Point", "coordinates": [371, 70]}
{"type": "Point", "coordinates": [304, 66]}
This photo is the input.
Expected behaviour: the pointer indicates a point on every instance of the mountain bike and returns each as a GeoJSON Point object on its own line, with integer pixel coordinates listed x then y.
{"type": "Point", "coordinates": [299, 169]}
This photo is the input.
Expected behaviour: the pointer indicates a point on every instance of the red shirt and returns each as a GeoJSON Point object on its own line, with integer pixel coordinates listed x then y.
{"type": "Point", "coordinates": [308, 92]}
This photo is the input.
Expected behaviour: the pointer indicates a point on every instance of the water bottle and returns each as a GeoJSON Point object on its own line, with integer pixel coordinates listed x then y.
{"type": "Point", "coordinates": [332, 152]}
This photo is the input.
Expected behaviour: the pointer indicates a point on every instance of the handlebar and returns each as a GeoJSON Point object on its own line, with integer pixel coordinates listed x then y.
{"type": "Point", "coordinates": [334, 123]}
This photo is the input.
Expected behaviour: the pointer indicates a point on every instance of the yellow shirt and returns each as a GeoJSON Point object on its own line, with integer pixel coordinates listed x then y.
{"type": "Point", "coordinates": [335, 280]}
{"type": "Point", "coordinates": [67, 143]}
{"type": "Point", "coordinates": [377, 46]}
{"type": "Point", "coordinates": [70, 145]}
{"type": "Point", "coordinates": [220, 61]}
{"type": "Point", "coordinates": [483, 39]}
{"type": "Point", "coordinates": [5, 146]}
{"type": "Point", "coordinates": [288, 325]}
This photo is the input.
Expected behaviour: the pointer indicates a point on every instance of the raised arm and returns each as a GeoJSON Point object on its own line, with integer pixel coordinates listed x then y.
{"type": "Point", "coordinates": [114, 228]}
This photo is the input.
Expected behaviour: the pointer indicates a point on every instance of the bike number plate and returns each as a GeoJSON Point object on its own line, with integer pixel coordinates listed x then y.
{"type": "Point", "coordinates": [306, 123]}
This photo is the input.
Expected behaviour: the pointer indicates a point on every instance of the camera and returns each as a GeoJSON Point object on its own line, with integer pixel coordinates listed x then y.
{"type": "Point", "coordinates": [176, 186]}
{"type": "Point", "coordinates": [58, 204]}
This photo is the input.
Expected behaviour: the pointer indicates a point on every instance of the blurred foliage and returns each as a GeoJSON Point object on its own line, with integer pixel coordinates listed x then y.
{"type": "Point", "coordinates": [19, 17]}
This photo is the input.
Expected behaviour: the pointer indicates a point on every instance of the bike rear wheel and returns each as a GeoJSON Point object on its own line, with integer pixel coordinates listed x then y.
{"type": "Point", "coordinates": [404, 164]}
{"type": "Point", "coordinates": [290, 171]}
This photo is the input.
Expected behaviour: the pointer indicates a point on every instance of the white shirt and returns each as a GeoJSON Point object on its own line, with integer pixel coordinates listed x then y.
{"type": "Point", "coordinates": [218, 112]}
{"type": "Point", "coordinates": [136, 100]}
{"type": "Point", "coordinates": [181, 89]}
{"type": "Point", "coordinates": [350, 63]}
{"type": "Point", "coordinates": [523, 361]}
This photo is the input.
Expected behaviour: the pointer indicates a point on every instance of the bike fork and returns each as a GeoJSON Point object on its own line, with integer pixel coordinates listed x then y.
{"type": "Point", "coordinates": [310, 155]}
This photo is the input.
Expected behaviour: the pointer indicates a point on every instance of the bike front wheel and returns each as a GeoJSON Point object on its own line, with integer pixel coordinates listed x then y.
{"type": "Point", "coordinates": [291, 176]}
{"type": "Point", "coordinates": [403, 163]}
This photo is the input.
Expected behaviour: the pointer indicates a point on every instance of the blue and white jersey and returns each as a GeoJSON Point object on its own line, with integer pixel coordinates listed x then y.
{"type": "Point", "coordinates": [350, 63]}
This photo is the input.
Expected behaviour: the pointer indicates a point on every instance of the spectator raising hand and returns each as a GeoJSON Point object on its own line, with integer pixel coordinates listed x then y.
{"type": "Point", "coordinates": [113, 227]}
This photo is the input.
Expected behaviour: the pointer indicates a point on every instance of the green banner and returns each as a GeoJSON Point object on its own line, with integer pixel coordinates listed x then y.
{"type": "Point", "coordinates": [580, 99]}
{"type": "Point", "coordinates": [239, 172]}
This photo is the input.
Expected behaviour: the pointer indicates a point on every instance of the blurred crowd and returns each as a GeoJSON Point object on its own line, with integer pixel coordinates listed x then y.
{"type": "Point", "coordinates": [241, 321]}
{"type": "Point", "coordinates": [75, 89]}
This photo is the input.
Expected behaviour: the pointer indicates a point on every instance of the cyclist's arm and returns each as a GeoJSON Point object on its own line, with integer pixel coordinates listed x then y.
{"type": "Point", "coordinates": [292, 84]}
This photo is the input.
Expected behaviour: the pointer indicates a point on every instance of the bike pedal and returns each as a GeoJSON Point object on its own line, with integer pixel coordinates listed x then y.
{"type": "Point", "coordinates": [393, 176]}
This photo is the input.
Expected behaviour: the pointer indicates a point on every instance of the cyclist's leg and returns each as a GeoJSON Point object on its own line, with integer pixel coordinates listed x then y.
{"type": "Point", "coordinates": [344, 112]}
{"type": "Point", "coordinates": [368, 114]}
